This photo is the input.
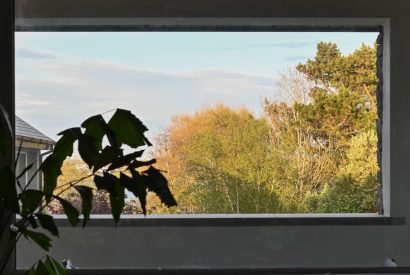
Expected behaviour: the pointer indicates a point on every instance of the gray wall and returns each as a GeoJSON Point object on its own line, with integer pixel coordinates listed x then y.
{"type": "Point", "coordinates": [259, 246]}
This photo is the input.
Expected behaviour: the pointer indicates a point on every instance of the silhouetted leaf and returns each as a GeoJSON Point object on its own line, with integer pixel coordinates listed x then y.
{"type": "Point", "coordinates": [30, 201]}
{"type": "Point", "coordinates": [88, 149]}
{"type": "Point", "coordinates": [117, 201]}
{"type": "Point", "coordinates": [137, 164]}
{"type": "Point", "coordinates": [106, 182]}
{"type": "Point", "coordinates": [39, 238]}
{"type": "Point", "coordinates": [64, 146]}
{"type": "Point", "coordinates": [6, 132]}
{"type": "Point", "coordinates": [107, 156]}
{"type": "Point", "coordinates": [116, 191]}
{"type": "Point", "coordinates": [86, 194]}
{"type": "Point", "coordinates": [71, 212]}
{"type": "Point", "coordinates": [128, 128]}
{"type": "Point", "coordinates": [8, 189]}
{"type": "Point", "coordinates": [47, 222]}
{"type": "Point", "coordinates": [158, 184]}
{"type": "Point", "coordinates": [125, 160]}
{"type": "Point", "coordinates": [137, 186]}
{"type": "Point", "coordinates": [51, 169]}
{"type": "Point", "coordinates": [95, 127]}
{"type": "Point", "coordinates": [32, 221]}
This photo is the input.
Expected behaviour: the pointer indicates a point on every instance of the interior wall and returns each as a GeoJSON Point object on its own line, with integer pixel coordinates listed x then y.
{"type": "Point", "coordinates": [261, 246]}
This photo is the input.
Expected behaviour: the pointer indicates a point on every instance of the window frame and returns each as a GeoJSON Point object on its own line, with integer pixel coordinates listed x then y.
{"type": "Point", "coordinates": [381, 25]}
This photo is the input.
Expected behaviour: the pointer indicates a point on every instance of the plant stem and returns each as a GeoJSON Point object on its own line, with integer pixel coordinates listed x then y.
{"type": "Point", "coordinates": [32, 178]}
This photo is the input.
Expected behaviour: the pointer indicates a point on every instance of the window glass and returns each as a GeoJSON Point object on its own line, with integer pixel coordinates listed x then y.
{"type": "Point", "coordinates": [241, 122]}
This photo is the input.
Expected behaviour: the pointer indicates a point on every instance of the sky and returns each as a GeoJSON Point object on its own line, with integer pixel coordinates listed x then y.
{"type": "Point", "coordinates": [63, 78]}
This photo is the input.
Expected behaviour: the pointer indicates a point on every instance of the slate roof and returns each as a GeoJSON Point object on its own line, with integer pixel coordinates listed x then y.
{"type": "Point", "coordinates": [27, 132]}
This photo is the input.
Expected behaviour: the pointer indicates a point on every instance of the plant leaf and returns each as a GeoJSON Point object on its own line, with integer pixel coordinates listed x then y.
{"type": "Point", "coordinates": [42, 269]}
{"type": "Point", "coordinates": [54, 266]}
{"type": "Point", "coordinates": [128, 129]}
{"type": "Point", "coordinates": [117, 201]}
{"type": "Point", "coordinates": [137, 186]}
{"type": "Point", "coordinates": [107, 156]}
{"type": "Point", "coordinates": [95, 127]}
{"type": "Point", "coordinates": [116, 191]}
{"type": "Point", "coordinates": [137, 164]}
{"type": "Point", "coordinates": [39, 238]}
{"type": "Point", "coordinates": [125, 160]}
{"type": "Point", "coordinates": [158, 184]}
{"type": "Point", "coordinates": [6, 132]}
{"type": "Point", "coordinates": [88, 149]}
{"type": "Point", "coordinates": [64, 146]}
{"type": "Point", "coordinates": [32, 221]}
{"type": "Point", "coordinates": [47, 222]}
{"type": "Point", "coordinates": [86, 194]}
{"type": "Point", "coordinates": [71, 212]}
{"type": "Point", "coordinates": [51, 169]}
{"type": "Point", "coordinates": [50, 266]}
{"type": "Point", "coordinates": [106, 182]}
{"type": "Point", "coordinates": [31, 271]}
{"type": "Point", "coordinates": [59, 267]}
{"type": "Point", "coordinates": [30, 200]}
{"type": "Point", "coordinates": [8, 189]}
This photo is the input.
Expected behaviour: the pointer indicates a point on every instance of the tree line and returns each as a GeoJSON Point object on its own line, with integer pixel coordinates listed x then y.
{"type": "Point", "coordinates": [314, 148]}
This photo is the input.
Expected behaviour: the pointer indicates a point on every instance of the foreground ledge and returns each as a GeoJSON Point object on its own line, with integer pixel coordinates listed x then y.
{"type": "Point", "coordinates": [201, 220]}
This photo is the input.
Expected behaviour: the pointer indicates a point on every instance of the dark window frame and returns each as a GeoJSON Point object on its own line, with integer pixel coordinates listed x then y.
{"type": "Point", "coordinates": [326, 25]}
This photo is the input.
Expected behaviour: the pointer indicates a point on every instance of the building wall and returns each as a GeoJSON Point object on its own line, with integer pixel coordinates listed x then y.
{"type": "Point", "coordinates": [27, 157]}
{"type": "Point", "coordinates": [255, 246]}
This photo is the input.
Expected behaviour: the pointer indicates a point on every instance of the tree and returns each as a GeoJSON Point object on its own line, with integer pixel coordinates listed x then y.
{"type": "Point", "coordinates": [312, 137]}
{"type": "Point", "coordinates": [355, 187]}
{"type": "Point", "coordinates": [224, 161]}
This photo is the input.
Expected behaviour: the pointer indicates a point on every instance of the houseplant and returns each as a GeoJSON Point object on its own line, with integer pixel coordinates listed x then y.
{"type": "Point", "coordinates": [103, 158]}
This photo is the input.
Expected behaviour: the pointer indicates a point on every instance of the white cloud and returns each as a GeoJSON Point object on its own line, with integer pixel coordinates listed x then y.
{"type": "Point", "coordinates": [29, 100]}
{"type": "Point", "coordinates": [33, 54]}
{"type": "Point", "coordinates": [70, 91]}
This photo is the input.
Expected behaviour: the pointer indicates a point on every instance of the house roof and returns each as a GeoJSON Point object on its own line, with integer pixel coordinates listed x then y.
{"type": "Point", "coordinates": [26, 132]}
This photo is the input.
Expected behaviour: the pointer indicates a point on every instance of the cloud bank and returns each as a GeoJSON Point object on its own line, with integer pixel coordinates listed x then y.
{"type": "Point", "coordinates": [69, 91]}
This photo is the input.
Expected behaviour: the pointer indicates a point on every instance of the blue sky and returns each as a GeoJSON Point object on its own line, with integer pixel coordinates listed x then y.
{"type": "Point", "coordinates": [62, 78]}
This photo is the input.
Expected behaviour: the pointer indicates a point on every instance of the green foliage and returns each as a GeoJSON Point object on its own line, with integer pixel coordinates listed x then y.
{"type": "Point", "coordinates": [361, 158]}
{"type": "Point", "coordinates": [314, 152]}
{"type": "Point", "coordinates": [345, 195]}
{"type": "Point", "coordinates": [39, 238]}
{"type": "Point", "coordinates": [356, 188]}
{"type": "Point", "coordinates": [71, 212]}
{"type": "Point", "coordinates": [47, 222]}
{"type": "Point", "coordinates": [331, 70]}
{"type": "Point", "coordinates": [30, 201]}
{"type": "Point", "coordinates": [226, 160]}
{"type": "Point", "coordinates": [122, 129]}
{"type": "Point", "coordinates": [86, 194]}
{"type": "Point", "coordinates": [49, 266]}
